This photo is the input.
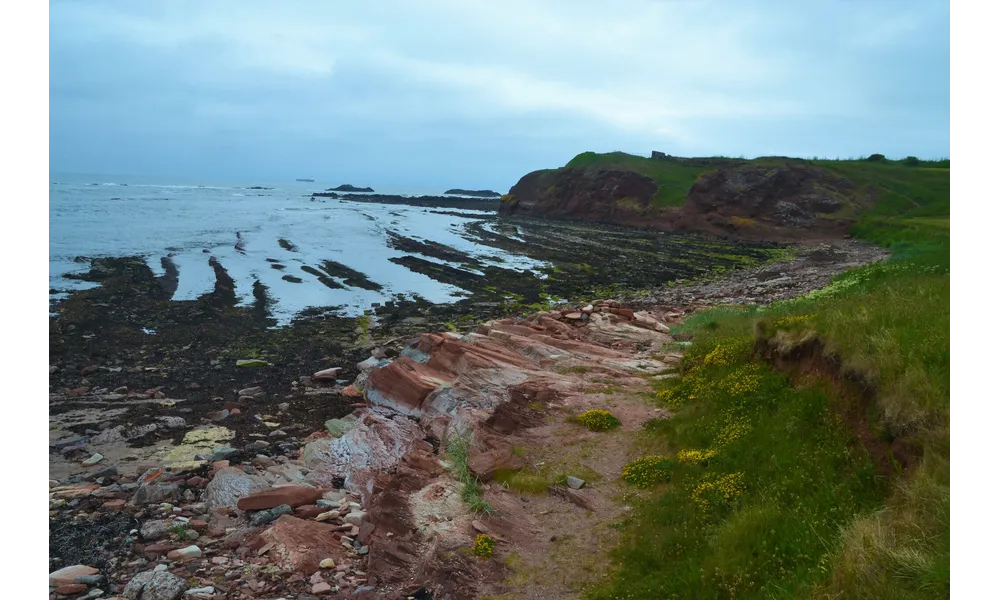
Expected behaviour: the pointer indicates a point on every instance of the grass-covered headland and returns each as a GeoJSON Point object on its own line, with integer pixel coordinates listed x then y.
{"type": "Point", "coordinates": [806, 454]}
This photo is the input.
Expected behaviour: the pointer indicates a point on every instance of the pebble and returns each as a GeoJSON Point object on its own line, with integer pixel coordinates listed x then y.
{"type": "Point", "coordinates": [327, 563]}
{"type": "Point", "coordinates": [574, 482]}
{"type": "Point", "coordinates": [250, 363]}
{"type": "Point", "coordinates": [223, 452]}
{"type": "Point", "coordinates": [93, 460]}
{"type": "Point", "coordinates": [356, 517]}
{"type": "Point", "coordinates": [321, 587]}
{"type": "Point", "coordinates": [184, 553]}
{"type": "Point", "coordinates": [263, 517]}
{"type": "Point", "coordinates": [109, 471]}
{"type": "Point", "coordinates": [207, 590]}
{"type": "Point", "coordinates": [154, 530]}
{"type": "Point", "coordinates": [70, 574]}
{"type": "Point", "coordinates": [220, 415]}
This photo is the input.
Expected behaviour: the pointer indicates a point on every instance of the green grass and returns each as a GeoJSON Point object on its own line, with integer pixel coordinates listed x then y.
{"type": "Point", "coordinates": [457, 452]}
{"type": "Point", "coordinates": [673, 180]}
{"type": "Point", "coordinates": [524, 482]}
{"type": "Point", "coordinates": [784, 503]}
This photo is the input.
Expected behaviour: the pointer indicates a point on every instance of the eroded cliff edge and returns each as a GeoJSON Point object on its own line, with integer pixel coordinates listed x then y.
{"type": "Point", "coordinates": [764, 199]}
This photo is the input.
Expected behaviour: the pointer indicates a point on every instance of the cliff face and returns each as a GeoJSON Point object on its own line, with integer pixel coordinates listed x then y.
{"type": "Point", "coordinates": [607, 195]}
{"type": "Point", "coordinates": [773, 201]}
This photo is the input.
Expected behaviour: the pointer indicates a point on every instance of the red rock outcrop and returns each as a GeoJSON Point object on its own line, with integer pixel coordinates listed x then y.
{"type": "Point", "coordinates": [482, 386]}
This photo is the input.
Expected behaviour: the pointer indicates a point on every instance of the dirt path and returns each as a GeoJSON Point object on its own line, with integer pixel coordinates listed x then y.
{"type": "Point", "coordinates": [570, 536]}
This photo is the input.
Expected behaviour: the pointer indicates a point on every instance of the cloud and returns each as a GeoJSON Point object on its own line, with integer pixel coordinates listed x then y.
{"type": "Point", "coordinates": [379, 82]}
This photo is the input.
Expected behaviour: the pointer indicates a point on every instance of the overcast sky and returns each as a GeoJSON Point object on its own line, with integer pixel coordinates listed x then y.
{"type": "Point", "coordinates": [475, 94]}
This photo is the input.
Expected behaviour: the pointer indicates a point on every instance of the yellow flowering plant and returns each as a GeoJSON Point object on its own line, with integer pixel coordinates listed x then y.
{"type": "Point", "coordinates": [715, 492]}
{"type": "Point", "coordinates": [484, 546]}
{"type": "Point", "coordinates": [693, 457]}
{"type": "Point", "coordinates": [598, 420]}
{"type": "Point", "coordinates": [647, 471]}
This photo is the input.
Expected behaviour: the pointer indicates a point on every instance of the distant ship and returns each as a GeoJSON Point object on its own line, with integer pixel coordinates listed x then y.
{"type": "Point", "coordinates": [309, 180]}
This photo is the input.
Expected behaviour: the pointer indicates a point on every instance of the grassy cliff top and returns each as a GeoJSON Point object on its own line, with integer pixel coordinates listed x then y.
{"type": "Point", "coordinates": [909, 185]}
{"type": "Point", "coordinates": [789, 483]}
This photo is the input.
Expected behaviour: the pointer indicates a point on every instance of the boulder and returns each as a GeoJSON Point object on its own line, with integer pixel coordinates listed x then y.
{"type": "Point", "coordinates": [155, 585]}
{"type": "Point", "coordinates": [229, 485]}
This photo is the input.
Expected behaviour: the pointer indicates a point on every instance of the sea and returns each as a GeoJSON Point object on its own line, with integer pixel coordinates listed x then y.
{"type": "Point", "coordinates": [190, 221]}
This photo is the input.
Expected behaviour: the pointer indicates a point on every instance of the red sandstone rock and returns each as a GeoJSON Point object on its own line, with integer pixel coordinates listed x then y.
{"type": "Point", "coordinates": [71, 588]}
{"type": "Point", "coordinates": [114, 504]}
{"type": "Point", "coordinates": [487, 462]}
{"type": "Point", "coordinates": [77, 491]}
{"type": "Point", "coordinates": [352, 392]}
{"type": "Point", "coordinates": [300, 545]}
{"type": "Point", "coordinates": [402, 385]}
{"type": "Point", "coordinates": [197, 524]}
{"type": "Point", "coordinates": [68, 575]}
{"type": "Point", "coordinates": [309, 511]}
{"type": "Point", "coordinates": [292, 495]}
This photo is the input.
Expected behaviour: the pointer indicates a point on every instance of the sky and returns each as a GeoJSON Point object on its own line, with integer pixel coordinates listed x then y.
{"type": "Point", "coordinates": [455, 93]}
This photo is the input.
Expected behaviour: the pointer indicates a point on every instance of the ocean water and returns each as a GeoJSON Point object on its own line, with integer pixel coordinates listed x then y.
{"type": "Point", "coordinates": [191, 221]}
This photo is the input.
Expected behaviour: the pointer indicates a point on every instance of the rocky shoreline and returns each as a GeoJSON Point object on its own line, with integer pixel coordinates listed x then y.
{"type": "Point", "coordinates": [331, 433]}
{"type": "Point", "coordinates": [489, 204]}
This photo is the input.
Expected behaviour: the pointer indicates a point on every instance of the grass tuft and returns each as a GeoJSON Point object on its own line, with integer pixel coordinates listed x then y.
{"type": "Point", "coordinates": [457, 451]}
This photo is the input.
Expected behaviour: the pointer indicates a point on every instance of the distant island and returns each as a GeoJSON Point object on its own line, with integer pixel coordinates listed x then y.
{"type": "Point", "coordinates": [349, 188]}
{"type": "Point", "coordinates": [310, 180]}
{"type": "Point", "coordinates": [477, 193]}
